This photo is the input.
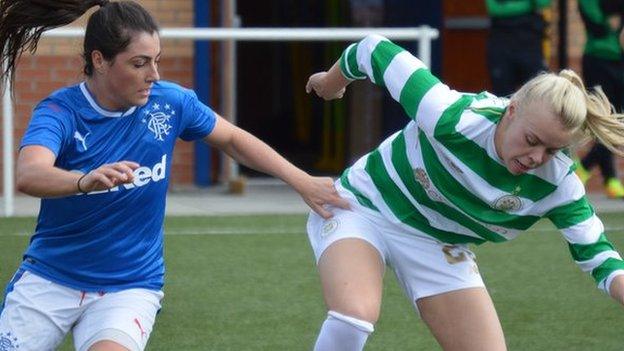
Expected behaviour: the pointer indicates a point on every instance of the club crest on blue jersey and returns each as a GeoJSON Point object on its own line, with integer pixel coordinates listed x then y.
{"type": "Point", "coordinates": [157, 120]}
{"type": "Point", "coordinates": [8, 342]}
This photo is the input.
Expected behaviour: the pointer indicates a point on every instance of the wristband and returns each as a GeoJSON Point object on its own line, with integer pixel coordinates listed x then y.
{"type": "Point", "coordinates": [78, 184]}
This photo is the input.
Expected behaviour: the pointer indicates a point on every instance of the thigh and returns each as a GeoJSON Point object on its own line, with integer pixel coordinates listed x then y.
{"type": "Point", "coordinates": [125, 317]}
{"type": "Point", "coordinates": [351, 272]}
{"type": "Point", "coordinates": [37, 313]}
{"type": "Point", "coordinates": [350, 263]}
{"type": "Point", "coordinates": [463, 320]}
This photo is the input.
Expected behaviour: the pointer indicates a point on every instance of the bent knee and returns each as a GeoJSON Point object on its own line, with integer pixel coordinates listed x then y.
{"type": "Point", "coordinates": [362, 325]}
{"type": "Point", "coordinates": [368, 314]}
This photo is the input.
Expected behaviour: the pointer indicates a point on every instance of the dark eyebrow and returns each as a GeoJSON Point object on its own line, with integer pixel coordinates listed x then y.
{"type": "Point", "coordinates": [145, 57]}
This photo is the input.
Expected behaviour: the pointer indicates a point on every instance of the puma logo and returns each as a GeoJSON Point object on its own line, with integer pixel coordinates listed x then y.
{"type": "Point", "coordinates": [82, 139]}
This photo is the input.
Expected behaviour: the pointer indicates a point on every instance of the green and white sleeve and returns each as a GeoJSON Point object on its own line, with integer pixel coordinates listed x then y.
{"type": "Point", "coordinates": [588, 244]}
{"type": "Point", "coordinates": [388, 65]}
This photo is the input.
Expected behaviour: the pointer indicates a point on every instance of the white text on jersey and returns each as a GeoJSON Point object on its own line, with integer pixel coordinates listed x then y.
{"type": "Point", "coordinates": [142, 176]}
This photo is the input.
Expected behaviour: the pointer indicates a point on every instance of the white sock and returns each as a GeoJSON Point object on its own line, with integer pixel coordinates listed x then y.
{"type": "Point", "coordinates": [343, 333]}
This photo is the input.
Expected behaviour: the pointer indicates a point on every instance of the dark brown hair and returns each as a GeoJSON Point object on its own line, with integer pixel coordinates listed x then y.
{"type": "Point", "coordinates": [109, 29]}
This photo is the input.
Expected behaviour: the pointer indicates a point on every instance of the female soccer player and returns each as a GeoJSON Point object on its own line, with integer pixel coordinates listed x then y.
{"type": "Point", "coordinates": [99, 155]}
{"type": "Point", "coordinates": [468, 168]}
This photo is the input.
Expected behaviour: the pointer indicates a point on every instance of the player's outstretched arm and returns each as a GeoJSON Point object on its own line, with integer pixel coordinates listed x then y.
{"type": "Point", "coordinates": [37, 176]}
{"type": "Point", "coordinates": [254, 153]}
{"type": "Point", "coordinates": [404, 76]}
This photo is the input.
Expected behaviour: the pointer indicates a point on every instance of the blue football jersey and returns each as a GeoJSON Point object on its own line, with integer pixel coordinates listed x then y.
{"type": "Point", "coordinates": [110, 240]}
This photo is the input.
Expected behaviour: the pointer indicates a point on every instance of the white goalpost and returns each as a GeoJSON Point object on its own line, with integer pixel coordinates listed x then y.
{"type": "Point", "coordinates": [424, 35]}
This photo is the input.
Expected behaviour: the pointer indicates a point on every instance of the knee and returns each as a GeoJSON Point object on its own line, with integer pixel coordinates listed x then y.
{"type": "Point", "coordinates": [365, 312]}
{"type": "Point", "coordinates": [360, 324]}
{"type": "Point", "coordinates": [369, 314]}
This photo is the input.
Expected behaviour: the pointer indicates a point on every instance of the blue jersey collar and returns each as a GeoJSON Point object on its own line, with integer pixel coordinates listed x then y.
{"type": "Point", "coordinates": [100, 110]}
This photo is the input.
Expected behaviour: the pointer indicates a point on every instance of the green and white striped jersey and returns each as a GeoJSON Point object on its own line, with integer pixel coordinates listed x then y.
{"type": "Point", "coordinates": [442, 176]}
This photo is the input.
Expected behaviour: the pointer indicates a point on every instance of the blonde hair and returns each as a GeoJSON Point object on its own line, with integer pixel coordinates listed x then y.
{"type": "Point", "coordinates": [588, 115]}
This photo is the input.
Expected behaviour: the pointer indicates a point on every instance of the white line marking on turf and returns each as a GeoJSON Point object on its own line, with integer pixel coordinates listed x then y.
{"type": "Point", "coordinates": [233, 231]}
{"type": "Point", "coordinates": [203, 231]}
{"type": "Point", "coordinates": [244, 231]}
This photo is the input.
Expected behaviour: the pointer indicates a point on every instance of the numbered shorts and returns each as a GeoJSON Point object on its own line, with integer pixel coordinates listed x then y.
{"type": "Point", "coordinates": [423, 265]}
{"type": "Point", "coordinates": [37, 314]}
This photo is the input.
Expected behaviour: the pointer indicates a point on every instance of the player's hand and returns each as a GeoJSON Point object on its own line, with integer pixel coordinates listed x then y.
{"type": "Point", "coordinates": [617, 289]}
{"type": "Point", "coordinates": [318, 83]}
{"type": "Point", "coordinates": [320, 193]}
{"type": "Point", "coordinates": [108, 176]}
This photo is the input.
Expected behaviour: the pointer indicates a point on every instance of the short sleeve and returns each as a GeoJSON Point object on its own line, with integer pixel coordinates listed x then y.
{"type": "Point", "coordinates": [198, 120]}
{"type": "Point", "coordinates": [48, 127]}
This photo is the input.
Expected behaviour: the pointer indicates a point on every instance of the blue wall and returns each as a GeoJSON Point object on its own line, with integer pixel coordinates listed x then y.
{"type": "Point", "coordinates": [202, 78]}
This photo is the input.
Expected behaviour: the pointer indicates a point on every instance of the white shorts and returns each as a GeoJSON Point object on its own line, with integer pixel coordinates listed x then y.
{"type": "Point", "coordinates": [423, 265]}
{"type": "Point", "coordinates": [38, 313]}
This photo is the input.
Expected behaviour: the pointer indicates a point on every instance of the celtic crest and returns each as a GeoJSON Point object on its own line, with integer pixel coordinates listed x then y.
{"type": "Point", "coordinates": [508, 203]}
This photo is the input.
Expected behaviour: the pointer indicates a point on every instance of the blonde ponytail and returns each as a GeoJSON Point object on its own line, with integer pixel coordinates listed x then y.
{"type": "Point", "coordinates": [601, 122]}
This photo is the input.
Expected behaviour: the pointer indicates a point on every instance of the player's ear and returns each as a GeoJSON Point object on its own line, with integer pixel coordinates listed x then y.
{"type": "Point", "coordinates": [98, 61]}
{"type": "Point", "coordinates": [511, 110]}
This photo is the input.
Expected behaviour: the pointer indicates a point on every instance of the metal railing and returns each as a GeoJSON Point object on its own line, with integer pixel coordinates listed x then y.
{"type": "Point", "coordinates": [423, 34]}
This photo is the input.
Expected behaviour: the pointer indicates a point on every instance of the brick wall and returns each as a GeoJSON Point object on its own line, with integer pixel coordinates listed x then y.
{"type": "Point", "coordinates": [57, 63]}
